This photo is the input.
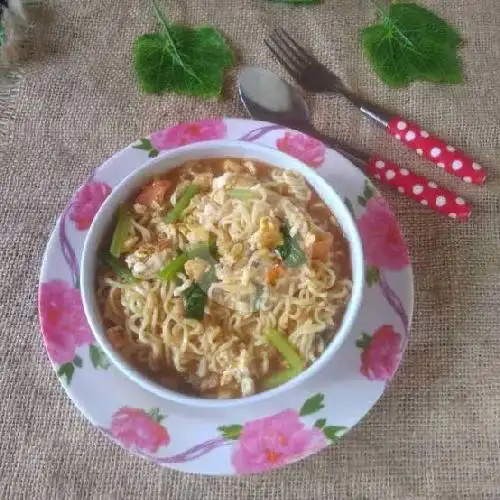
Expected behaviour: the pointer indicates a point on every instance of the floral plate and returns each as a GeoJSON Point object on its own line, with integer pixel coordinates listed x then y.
{"type": "Point", "coordinates": [261, 436]}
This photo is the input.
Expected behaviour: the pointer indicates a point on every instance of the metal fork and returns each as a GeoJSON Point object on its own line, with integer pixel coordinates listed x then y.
{"type": "Point", "coordinates": [315, 77]}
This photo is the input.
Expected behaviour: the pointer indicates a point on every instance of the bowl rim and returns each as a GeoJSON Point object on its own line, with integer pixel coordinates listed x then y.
{"type": "Point", "coordinates": [175, 157]}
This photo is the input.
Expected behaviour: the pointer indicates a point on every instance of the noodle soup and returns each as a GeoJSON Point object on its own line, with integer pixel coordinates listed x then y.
{"type": "Point", "coordinates": [223, 278]}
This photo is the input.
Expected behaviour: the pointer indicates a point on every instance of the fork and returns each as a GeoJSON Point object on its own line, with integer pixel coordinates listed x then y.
{"type": "Point", "coordinates": [315, 77]}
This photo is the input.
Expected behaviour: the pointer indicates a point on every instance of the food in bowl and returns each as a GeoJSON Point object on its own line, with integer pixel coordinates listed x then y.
{"type": "Point", "coordinates": [223, 278]}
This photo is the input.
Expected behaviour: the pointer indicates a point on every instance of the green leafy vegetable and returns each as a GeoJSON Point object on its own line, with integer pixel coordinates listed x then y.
{"type": "Point", "coordinates": [279, 378]}
{"type": "Point", "coordinates": [290, 251]}
{"type": "Point", "coordinates": [181, 204]}
{"type": "Point", "coordinates": [181, 59]}
{"type": "Point", "coordinates": [117, 267]}
{"type": "Point", "coordinates": [196, 295]}
{"type": "Point", "coordinates": [243, 194]}
{"type": "Point", "coordinates": [286, 349]}
{"type": "Point", "coordinates": [120, 234]}
{"type": "Point", "coordinates": [411, 43]}
{"type": "Point", "coordinates": [169, 272]}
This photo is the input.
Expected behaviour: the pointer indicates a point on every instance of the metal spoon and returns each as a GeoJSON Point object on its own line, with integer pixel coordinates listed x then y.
{"type": "Point", "coordinates": [268, 97]}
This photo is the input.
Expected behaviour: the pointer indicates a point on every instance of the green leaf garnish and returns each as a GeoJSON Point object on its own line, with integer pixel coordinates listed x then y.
{"type": "Point", "coordinates": [312, 405]}
{"type": "Point", "coordinates": [290, 252]}
{"type": "Point", "coordinates": [411, 43]}
{"type": "Point", "coordinates": [181, 59]}
{"type": "Point", "coordinates": [286, 349]}
{"type": "Point", "coordinates": [195, 300]}
{"type": "Point", "coordinates": [196, 295]}
{"type": "Point", "coordinates": [117, 267]}
{"type": "Point", "coordinates": [120, 234]}
{"type": "Point", "coordinates": [230, 431]}
{"type": "Point", "coordinates": [181, 204]}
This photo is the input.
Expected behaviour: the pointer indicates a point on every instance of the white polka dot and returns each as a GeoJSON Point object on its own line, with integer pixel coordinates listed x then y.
{"type": "Point", "coordinates": [401, 189]}
{"type": "Point", "coordinates": [440, 164]}
{"type": "Point", "coordinates": [401, 125]}
{"type": "Point", "coordinates": [418, 189]}
{"type": "Point", "coordinates": [451, 149]}
{"type": "Point", "coordinates": [380, 164]}
{"type": "Point", "coordinates": [424, 134]}
{"type": "Point", "coordinates": [457, 165]}
{"type": "Point", "coordinates": [410, 135]}
{"type": "Point", "coordinates": [453, 215]}
{"type": "Point", "coordinates": [404, 171]}
{"type": "Point", "coordinates": [390, 174]}
{"type": "Point", "coordinates": [476, 166]}
{"type": "Point", "coordinates": [424, 202]}
{"type": "Point", "coordinates": [435, 152]}
{"type": "Point", "coordinates": [440, 201]}
{"type": "Point", "coordinates": [398, 137]}
{"type": "Point", "coordinates": [420, 152]}
{"type": "Point", "coordinates": [467, 179]}
{"type": "Point", "coordinates": [377, 176]}
{"type": "Point", "coordinates": [432, 185]}
{"type": "Point", "coordinates": [460, 200]}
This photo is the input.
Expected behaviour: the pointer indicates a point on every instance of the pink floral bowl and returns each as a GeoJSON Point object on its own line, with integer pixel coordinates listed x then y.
{"type": "Point", "coordinates": [215, 149]}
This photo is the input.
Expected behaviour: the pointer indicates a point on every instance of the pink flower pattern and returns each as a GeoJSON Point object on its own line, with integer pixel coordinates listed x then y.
{"type": "Point", "coordinates": [187, 133]}
{"type": "Point", "coordinates": [135, 428]}
{"type": "Point", "coordinates": [303, 147]}
{"type": "Point", "coordinates": [382, 354]}
{"type": "Point", "coordinates": [383, 244]}
{"type": "Point", "coordinates": [63, 322]}
{"type": "Point", "coordinates": [274, 441]}
{"type": "Point", "coordinates": [87, 202]}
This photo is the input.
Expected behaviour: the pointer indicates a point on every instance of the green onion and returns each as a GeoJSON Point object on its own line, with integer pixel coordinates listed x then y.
{"type": "Point", "coordinates": [182, 203]}
{"type": "Point", "coordinates": [279, 378]}
{"type": "Point", "coordinates": [286, 349]}
{"type": "Point", "coordinates": [243, 194]}
{"type": "Point", "coordinates": [117, 267]}
{"type": "Point", "coordinates": [169, 272]}
{"type": "Point", "coordinates": [120, 234]}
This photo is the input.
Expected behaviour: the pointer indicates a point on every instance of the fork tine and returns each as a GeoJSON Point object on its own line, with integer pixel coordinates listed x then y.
{"type": "Point", "coordinates": [300, 53]}
{"type": "Point", "coordinates": [292, 70]}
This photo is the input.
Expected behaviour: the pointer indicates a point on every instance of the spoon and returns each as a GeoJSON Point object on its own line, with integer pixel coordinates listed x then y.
{"type": "Point", "coordinates": [268, 97]}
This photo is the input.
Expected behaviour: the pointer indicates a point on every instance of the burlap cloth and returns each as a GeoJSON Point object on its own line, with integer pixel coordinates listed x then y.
{"type": "Point", "coordinates": [435, 433]}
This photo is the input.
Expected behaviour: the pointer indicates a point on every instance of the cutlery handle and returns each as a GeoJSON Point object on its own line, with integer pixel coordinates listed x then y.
{"type": "Point", "coordinates": [436, 150]}
{"type": "Point", "coordinates": [418, 188]}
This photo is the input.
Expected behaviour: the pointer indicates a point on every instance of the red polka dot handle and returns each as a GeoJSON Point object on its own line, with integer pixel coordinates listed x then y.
{"type": "Point", "coordinates": [436, 150]}
{"type": "Point", "coordinates": [418, 188]}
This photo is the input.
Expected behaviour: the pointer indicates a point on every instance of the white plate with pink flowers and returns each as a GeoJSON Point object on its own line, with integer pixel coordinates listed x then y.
{"type": "Point", "coordinates": [259, 437]}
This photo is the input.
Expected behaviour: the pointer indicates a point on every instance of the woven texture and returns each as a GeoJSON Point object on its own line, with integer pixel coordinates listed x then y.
{"type": "Point", "coordinates": [435, 433]}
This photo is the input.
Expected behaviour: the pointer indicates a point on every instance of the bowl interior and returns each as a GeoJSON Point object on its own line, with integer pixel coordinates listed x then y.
{"type": "Point", "coordinates": [215, 149]}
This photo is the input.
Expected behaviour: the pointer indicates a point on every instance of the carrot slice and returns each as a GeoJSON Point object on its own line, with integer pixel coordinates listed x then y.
{"type": "Point", "coordinates": [322, 246]}
{"type": "Point", "coordinates": [154, 191]}
{"type": "Point", "coordinates": [274, 273]}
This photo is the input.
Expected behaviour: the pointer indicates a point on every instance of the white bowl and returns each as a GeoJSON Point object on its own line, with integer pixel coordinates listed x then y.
{"type": "Point", "coordinates": [101, 227]}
